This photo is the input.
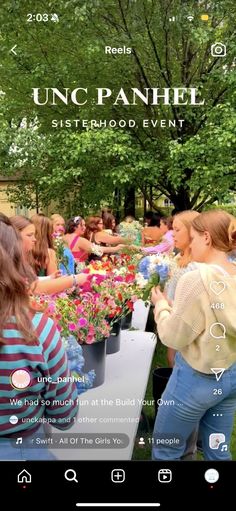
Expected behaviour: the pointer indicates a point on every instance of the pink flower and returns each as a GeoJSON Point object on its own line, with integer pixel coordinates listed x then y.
{"type": "Point", "coordinates": [90, 339]}
{"type": "Point", "coordinates": [118, 279]}
{"type": "Point", "coordinates": [86, 287]}
{"type": "Point", "coordinates": [82, 322]}
{"type": "Point", "coordinates": [99, 278]}
{"type": "Point", "coordinates": [71, 327]}
{"type": "Point", "coordinates": [79, 310]}
{"type": "Point", "coordinates": [51, 308]}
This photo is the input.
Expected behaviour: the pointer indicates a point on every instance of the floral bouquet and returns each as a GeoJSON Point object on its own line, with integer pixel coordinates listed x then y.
{"type": "Point", "coordinates": [117, 292]}
{"type": "Point", "coordinates": [131, 230]}
{"type": "Point", "coordinates": [84, 316]}
{"type": "Point", "coordinates": [153, 271]}
{"type": "Point", "coordinates": [63, 311]}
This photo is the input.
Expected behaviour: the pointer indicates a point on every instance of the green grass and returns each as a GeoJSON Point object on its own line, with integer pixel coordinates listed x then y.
{"type": "Point", "coordinates": [144, 452]}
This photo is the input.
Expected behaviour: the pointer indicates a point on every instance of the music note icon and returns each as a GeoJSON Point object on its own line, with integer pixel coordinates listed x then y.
{"type": "Point", "coordinates": [19, 441]}
{"type": "Point", "coordinates": [224, 448]}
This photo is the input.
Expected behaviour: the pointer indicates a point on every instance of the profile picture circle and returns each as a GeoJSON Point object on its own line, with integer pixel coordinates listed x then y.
{"type": "Point", "coordinates": [20, 379]}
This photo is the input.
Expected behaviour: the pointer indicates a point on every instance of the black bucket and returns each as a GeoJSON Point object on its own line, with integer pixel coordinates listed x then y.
{"type": "Point", "coordinates": [151, 323]}
{"type": "Point", "coordinates": [113, 341]}
{"type": "Point", "coordinates": [95, 358]}
{"type": "Point", "coordinates": [126, 321]}
{"type": "Point", "coordinates": [160, 379]}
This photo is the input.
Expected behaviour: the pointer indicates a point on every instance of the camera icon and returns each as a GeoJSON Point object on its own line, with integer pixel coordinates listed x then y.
{"type": "Point", "coordinates": [218, 50]}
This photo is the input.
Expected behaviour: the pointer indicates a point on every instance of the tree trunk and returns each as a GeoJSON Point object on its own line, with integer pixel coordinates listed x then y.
{"type": "Point", "coordinates": [129, 202]}
{"type": "Point", "coordinates": [181, 200]}
{"type": "Point", "coordinates": [117, 204]}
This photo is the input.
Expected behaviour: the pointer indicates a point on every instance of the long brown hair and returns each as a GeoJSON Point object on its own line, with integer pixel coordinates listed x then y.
{"type": "Point", "coordinates": [44, 241]}
{"type": "Point", "coordinates": [221, 227]}
{"type": "Point", "coordinates": [92, 226]}
{"type": "Point", "coordinates": [15, 279]}
{"type": "Point", "coordinates": [108, 221]}
{"type": "Point", "coordinates": [20, 222]}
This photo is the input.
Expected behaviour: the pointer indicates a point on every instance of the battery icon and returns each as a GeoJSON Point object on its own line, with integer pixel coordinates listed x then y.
{"type": "Point", "coordinates": [204, 17]}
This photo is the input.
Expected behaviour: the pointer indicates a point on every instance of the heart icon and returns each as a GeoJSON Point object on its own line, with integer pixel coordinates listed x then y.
{"type": "Point", "coordinates": [217, 286]}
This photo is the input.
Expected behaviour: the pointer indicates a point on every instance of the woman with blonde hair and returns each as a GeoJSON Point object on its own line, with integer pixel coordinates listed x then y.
{"type": "Point", "coordinates": [182, 223]}
{"type": "Point", "coordinates": [204, 324]}
{"type": "Point", "coordinates": [58, 223]}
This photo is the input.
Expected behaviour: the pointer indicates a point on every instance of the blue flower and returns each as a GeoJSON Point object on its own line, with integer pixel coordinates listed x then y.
{"type": "Point", "coordinates": [144, 267]}
{"type": "Point", "coordinates": [75, 357]}
{"type": "Point", "coordinates": [163, 271]}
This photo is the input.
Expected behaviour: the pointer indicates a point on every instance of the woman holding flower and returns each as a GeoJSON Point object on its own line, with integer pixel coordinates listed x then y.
{"type": "Point", "coordinates": [192, 383]}
{"type": "Point", "coordinates": [83, 247]}
{"type": "Point", "coordinates": [64, 255]}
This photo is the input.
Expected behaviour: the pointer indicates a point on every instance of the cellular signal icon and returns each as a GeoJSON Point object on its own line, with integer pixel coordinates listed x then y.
{"type": "Point", "coordinates": [173, 18]}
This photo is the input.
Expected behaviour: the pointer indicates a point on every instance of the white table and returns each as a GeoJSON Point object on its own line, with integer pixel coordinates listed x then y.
{"type": "Point", "coordinates": [126, 378]}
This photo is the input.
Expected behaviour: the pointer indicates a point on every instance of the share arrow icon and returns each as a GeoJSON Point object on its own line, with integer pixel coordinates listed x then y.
{"type": "Point", "coordinates": [218, 371]}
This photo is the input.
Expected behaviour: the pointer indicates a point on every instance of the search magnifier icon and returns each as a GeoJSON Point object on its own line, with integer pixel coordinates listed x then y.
{"type": "Point", "coordinates": [70, 475]}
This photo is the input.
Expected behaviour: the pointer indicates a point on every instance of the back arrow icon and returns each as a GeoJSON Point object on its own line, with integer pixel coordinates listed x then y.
{"type": "Point", "coordinates": [13, 49]}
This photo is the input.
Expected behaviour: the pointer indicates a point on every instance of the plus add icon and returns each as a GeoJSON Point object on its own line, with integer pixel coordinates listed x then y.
{"type": "Point", "coordinates": [118, 475]}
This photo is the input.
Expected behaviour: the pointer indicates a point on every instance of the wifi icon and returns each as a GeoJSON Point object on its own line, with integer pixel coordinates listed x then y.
{"type": "Point", "coordinates": [190, 18]}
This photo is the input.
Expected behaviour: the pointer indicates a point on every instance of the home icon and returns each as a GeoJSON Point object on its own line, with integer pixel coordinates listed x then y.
{"type": "Point", "coordinates": [24, 477]}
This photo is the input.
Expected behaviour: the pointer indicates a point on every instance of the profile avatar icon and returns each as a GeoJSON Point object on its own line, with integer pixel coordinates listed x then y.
{"type": "Point", "coordinates": [141, 441]}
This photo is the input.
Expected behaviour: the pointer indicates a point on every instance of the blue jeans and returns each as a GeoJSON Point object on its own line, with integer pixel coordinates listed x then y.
{"type": "Point", "coordinates": [9, 451]}
{"type": "Point", "coordinates": [195, 400]}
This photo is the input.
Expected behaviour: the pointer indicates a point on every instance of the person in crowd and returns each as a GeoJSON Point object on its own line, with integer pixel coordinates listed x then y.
{"type": "Point", "coordinates": [68, 267]}
{"type": "Point", "coordinates": [167, 243]}
{"type": "Point", "coordinates": [204, 336]}
{"type": "Point", "coordinates": [95, 233]}
{"type": "Point", "coordinates": [44, 255]}
{"type": "Point", "coordinates": [51, 285]}
{"type": "Point", "coordinates": [82, 247]}
{"type": "Point", "coordinates": [148, 216]}
{"type": "Point", "coordinates": [181, 235]}
{"type": "Point", "coordinates": [32, 359]}
{"type": "Point", "coordinates": [152, 233]}
{"type": "Point", "coordinates": [106, 212]}
{"type": "Point", "coordinates": [109, 224]}
{"type": "Point", "coordinates": [58, 223]}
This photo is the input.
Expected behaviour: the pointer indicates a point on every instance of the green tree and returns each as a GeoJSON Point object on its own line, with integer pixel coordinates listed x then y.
{"type": "Point", "coordinates": [193, 165]}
